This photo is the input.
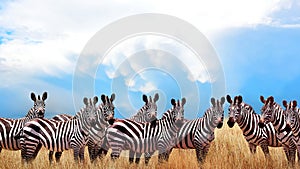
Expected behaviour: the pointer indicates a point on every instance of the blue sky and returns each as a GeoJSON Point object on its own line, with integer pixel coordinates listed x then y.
{"type": "Point", "coordinates": [257, 44]}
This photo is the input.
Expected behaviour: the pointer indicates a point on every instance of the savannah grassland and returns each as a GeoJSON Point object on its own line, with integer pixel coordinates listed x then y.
{"type": "Point", "coordinates": [229, 150]}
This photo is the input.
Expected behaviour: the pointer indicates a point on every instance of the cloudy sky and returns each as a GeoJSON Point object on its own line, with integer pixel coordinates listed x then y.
{"type": "Point", "coordinates": [257, 44]}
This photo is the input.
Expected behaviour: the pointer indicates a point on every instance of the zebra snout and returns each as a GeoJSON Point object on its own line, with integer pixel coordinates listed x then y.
{"type": "Point", "coordinates": [230, 122]}
{"type": "Point", "coordinates": [288, 127]}
{"type": "Point", "coordinates": [261, 123]}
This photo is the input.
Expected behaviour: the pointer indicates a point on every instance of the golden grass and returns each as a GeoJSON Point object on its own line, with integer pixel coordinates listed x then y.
{"type": "Point", "coordinates": [229, 150]}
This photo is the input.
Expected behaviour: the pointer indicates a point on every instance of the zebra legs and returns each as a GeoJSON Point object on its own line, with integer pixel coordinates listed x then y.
{"type": "Point", "coordinates": [79, 152]}
{"type": "Point", "coordinates": [252, 148]}
{"type": "Point", "coordinates": [265, 149]}
{"type": "Point", "coordinates": [131, 156]}
{"type": "Point", "coordinates": [148, 157]}
{"type": "Point", "coordinates": [57, 156]}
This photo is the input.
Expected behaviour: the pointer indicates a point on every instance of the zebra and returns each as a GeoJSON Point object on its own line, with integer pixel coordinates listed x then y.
{"type": "Point", "coordinates": [96, 146]}
{"type": "Point", "coordinates": [272, 112]}
{"type": "Point", "coordinates": [199, 133]}
{"type": "Point", "coordinates": [148, 113]}
{"type": "Point", "coordinates": [248, 121]}
{"type": "Point", "coordinates": [96, 132]}
{"type": "Point", "coordinates": [10, 127]}
{"type": "Point", "coordinates": [146, 137]}
{"type": "Point", "coordinates": [293, 122]}
{"type": "Point", "coordinates": [60, 136]}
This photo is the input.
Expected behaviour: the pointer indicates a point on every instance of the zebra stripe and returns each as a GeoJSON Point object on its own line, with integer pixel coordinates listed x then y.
{"type": "Point", "coordinates": [60, 136]}
{"type": "Point", "coordinates": [9, 128]}
{"type": "Point", "coordinates": [199, 133]}
{"type": "Point", "coordinates": [146, 137]}
{"type": "Point", "coordinates": [272, 112]}
{"type": "Point", "coordinates": [59, 117]}
{"type": "Point", "coordinates": [148, 113]}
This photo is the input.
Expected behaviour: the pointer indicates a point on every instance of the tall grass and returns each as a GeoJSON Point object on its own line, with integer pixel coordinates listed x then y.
{"type": "Point", "coordinates": [229, 150]}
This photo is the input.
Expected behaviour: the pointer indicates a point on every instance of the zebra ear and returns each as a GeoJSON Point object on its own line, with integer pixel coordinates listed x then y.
{"type": "Point", "coordinates": [228, 98]}
{"type": "Point", "coordinates": [95, 100]}
{"type": "Point", "coordinates": [44, 97]}
{"type": "Point", "coordinates": [294, 103]}
{"type": "Point", "coordinates": [85, 101]}
{"type": "Point", "coordinates": [103, 98]}
{"type": "Point", "coordinates": [213, 101]}
{"type": "Point", "coordinates": [112, 97]}
{"type": "Point", "coordinates": [271, 99]}
{"type": "Point", "coordinates": [145, 99]}
{"type": "Point", "coordinates": [284, 102]}
{"type": "Point", "coordinates": [183, 101]}
{"type": "Point", "coordinates": [173, 102]}
{"type": "Point", "coordinates": [240, 99]}
{"type": "Point", "coordinates": [156, 97]}
{"type": "Point", "coordinates": [262, 99]}
{"type": "Point", "coordinates": [33, 97]}
{"type": "Point", "coordinates": [222, 100]}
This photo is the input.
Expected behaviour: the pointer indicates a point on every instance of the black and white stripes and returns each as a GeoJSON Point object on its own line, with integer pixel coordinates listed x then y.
{"type": "Point", "coordinates": [146, 137]}
{"type": "Point", "coordinates": [9, 128]}
{"type": "Point", "coordinates": [60, 136]}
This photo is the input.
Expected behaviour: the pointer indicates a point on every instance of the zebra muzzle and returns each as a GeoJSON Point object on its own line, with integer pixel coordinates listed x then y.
{"type": "Point", "coordinates": [261, 123]}
{"type": "Point", "coordinates": [230, 122]}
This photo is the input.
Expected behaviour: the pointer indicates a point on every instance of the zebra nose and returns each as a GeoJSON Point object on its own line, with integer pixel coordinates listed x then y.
{"type": "Point", "coordinates": [261, 123]}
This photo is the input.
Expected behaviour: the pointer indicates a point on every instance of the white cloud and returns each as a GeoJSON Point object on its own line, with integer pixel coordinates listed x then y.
{"type": "Point", "coordinates": [46, 41]}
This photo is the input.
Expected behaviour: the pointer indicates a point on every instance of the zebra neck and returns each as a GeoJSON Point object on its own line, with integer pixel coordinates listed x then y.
{"type": "Point", "coordinates": [83, 126]}
{"type": "Point", "coordinates": [247, 120]}
{"type": "Point", "coordinates": [209, 123]}
{"type": "Point", "coordinates": [279, 122]}
{"type": "Point", "coordinates": [296, 125]}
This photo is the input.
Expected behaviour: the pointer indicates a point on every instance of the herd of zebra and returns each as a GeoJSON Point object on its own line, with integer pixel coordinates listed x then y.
{"type": "Point", "coordinates": [96, 127]}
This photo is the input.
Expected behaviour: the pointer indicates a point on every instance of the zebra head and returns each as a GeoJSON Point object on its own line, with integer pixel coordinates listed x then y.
{"type": "Point", "coordinates": [177, 113]}
{"type": "Point", "coordinates": [267, 110]}
{"type": "Point", "coordinates": [217, 111]}
{"type": "Point", "coordinates": [291, 114]}
{"type": "Point", "coordinates": [90, 110]}
{"type": "Point", "coordinates": [38, 108]}
{"type": "Point", "coordinates": [108, 107]}
{"type": "Point", "coordinates": [149, 110]}
{"type": "Point", "coordinates": [234, 109]}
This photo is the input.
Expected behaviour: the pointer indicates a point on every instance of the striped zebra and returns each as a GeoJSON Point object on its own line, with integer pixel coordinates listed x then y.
{"type": "Point", "coordinates": [248, 121]}
{"type": "Point", "coordinates": [273, 112]}
{"type": "Point", "coordinates": [10, 127]}
{"type": "Point", "coordinates": [60, 136]}
{"type": "Point", "coordinates": [146, 137]}
{"type": "Point", "coordinates": [199, 133]}
{"type": "Point", "coordinates": [148, 113]}
{"type": "Point", "coordinates": [293, 121]}
{"type": "Point", "coordinates": [98, 132]}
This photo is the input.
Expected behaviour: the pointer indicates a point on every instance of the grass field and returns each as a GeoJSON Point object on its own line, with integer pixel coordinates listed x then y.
{"type": "Point", "coordinates": [229, 150]}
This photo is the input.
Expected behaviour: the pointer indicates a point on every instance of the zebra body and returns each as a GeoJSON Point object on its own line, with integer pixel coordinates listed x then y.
{"type": "Point", "coordinates": [148, 113]}
{"type": "Point", "coordinates": [272, 112]}
{"type": "Point", "coordinates": [9, 128]}
{"type": "Point", "coordinates": [60, 136]}
{"type": "Point", "coordinates": [146, 137]}
{"type": "Point", "coordinates": [199, 133]}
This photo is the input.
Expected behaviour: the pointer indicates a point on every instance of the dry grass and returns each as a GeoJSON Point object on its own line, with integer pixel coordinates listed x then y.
{"type": "Point", "coordinates": [229, 150]}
